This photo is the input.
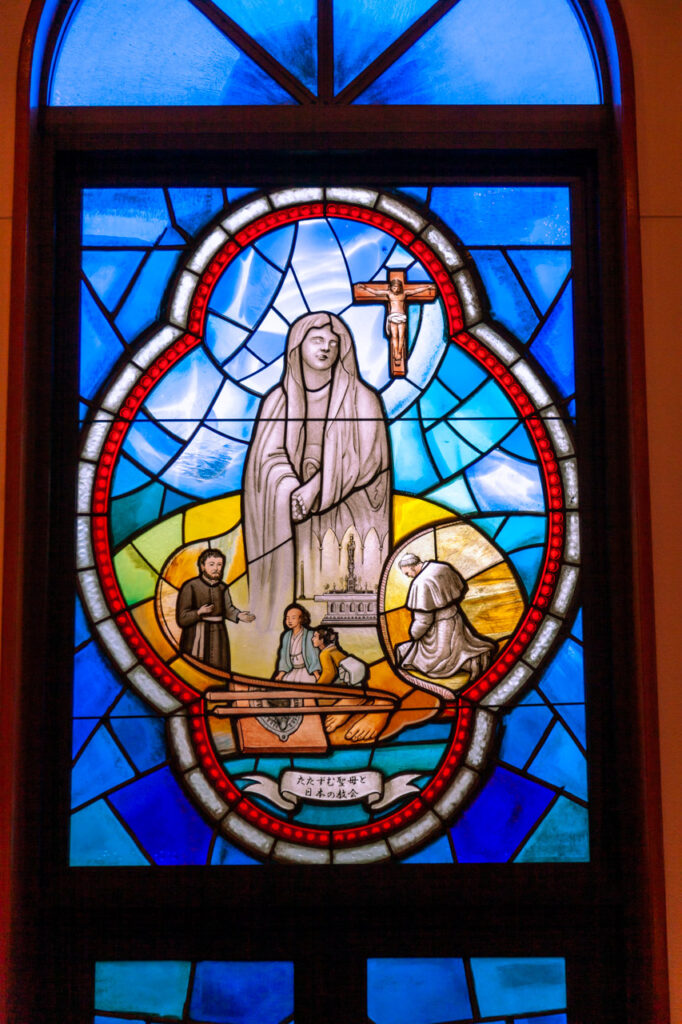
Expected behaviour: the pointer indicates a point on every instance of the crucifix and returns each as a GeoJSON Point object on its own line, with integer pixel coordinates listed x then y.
{"type": "Point", "coordinates": [395, 294]}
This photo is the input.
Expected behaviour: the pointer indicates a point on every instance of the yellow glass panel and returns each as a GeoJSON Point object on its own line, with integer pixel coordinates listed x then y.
{"type": "Point", "coordinates": [223, 735]}
{"type": "Point", "coordinates": [411, 513]}
{"type": "Point", "coordinates": [183, 564]}
{"type": "Point", "coordinates": [398, 623]}
{"type": "Point", "coordinates": [201, 681]}
{"type": "Point", "coordinates": [145, 616]}
{"type": "Point", "coordinates": [212, 518]}
{"type": "Point", "coordinates": [157, 543]}
{"type": "Point", "coordinates": [494, 604]}
{"type": "Point", "coordinates": [136, 578]}
{"type": "Point", "coordinates": [166, 599]}
{"type": "Point", "coordinates": [466, 548]}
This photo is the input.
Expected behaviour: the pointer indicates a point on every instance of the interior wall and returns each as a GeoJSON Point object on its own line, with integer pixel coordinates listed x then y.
{"type": "Point", "coordinates": [655, 29]}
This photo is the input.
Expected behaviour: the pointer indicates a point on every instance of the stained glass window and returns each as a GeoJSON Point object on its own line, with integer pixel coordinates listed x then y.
{"type": "Point", "coordinates": [456, 453]}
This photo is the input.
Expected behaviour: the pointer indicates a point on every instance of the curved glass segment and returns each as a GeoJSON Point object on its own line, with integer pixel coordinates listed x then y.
{"type": "Point", "coordinates": [152, 52]}
{"type": "Point", "coordinates": [485, 52]}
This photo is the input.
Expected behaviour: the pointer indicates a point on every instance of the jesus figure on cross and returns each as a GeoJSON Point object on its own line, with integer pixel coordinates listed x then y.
{"type": "Point", "coordinates": [395, 294]}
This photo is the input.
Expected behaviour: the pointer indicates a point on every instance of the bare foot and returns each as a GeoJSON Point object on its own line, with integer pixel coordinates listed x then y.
{"type": "Point", "coordinates": [367, 728]}
{"type": "Point", "coordinates": [332, 722]}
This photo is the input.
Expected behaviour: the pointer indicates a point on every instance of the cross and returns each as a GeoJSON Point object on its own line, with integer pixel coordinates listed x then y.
{"type": "Point", "coordinates": [395, 294]}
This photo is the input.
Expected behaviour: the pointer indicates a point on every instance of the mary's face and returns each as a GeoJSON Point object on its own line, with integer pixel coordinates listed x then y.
{"type": "Point", "coordinates": [320, 348]}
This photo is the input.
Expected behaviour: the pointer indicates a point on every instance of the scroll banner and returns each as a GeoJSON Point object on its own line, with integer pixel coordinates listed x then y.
{"type": "Point", "coordinates": [371, 787]}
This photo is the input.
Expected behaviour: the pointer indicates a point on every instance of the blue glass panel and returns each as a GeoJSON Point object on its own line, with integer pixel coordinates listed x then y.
{"type": "Point", "coordinates": [363, 31]}
{"type": "Point", "coordinates": [99, 768]}
{"type": "Point", "coordinates": [286, 28]}
{"type": "Point", "coordinates": [528, 563]}
{"type": "Point", "coordinates": [489, 524]}
{"type": "Point", "coordinates": [518, 443]}
{"type": "Point", "coordinates": [99, 840]}
{"type": "Point", "coordinates": [366, 323]}
{"type": "Point", "coordinates": [95, 687]}
{"type": "Point", "coordinates": [234, 404]}
{"type": "Point", "coordinates": [289, 301]}
{"type": "Point", "coordinates": [398, 397]}
{"type": "Point", "coordinates": [243, 993]}
{"type": "Point", "coordinates": [194, 207]}
{"type": "Point", "coordinates": [546, 1018]}
{"type": "Point", "coordinates": [210, 465]}
{"type": "Point", "coordinates": [173, 501]}
{"type": "Point", "coordinates": [140, 731]}
{"type": "Point", "coordinates": [564, 684]}
{"type": "Point", "coordinates": [544, 272]}
{"type": "Point", "coordinates": [276, 245]}
{"type": "Point", "coordinates": [262, 380]}
{"type": "Point", "coordinates": [143, 305]}
{"type": "Point", "coordinates": [109, 272]}
{"type": "Point", "coordinates": [553, 347]}
{"type": "Point", "coordinates": [522, 51]}
{"type": "Point", "coordinates": [436, 401]}
{"type": "Point", "coordinates": [222, 337]}
{"type": "Point", "coordinates": [142, 986]}
{"type": "Point", "coordinates": [172, 237]}
{"type": "Point", "coordinates": [535, 215]}
{"type": "Point", "coordinates": [124, 216]}
{"type": "Point", "coordinates": [486, 417]}
{"type": "Point", "coordinates": [269, 340]}
{"type": "Point", "coordinates": [332, 817]}
{"type": "Point", "coordinates": [429, 343]}
{"type": "Point", "coordinates": [456, 496]}
{"type": "Point", "coordinates": [520, 530]}
{"type": "Point", "coordinates": [500, 482]}
{"type": "Point", "coordinates": [245, 290]}
{"type": "Point", "coordinates": [514, 804]}
{"type": "Point", "coordinates": [562, 836]}
{"type": "Point", "coordinates": [141, 52]}
{"type": "Point", "coordinates": [561, 762]}
{"type": "Point", "coordinates": [320, 267]}
{"type": "Point", "coordinates": [417, 991]}
{"type": "Point", "coordinates": [130, 514]}
{"type": "Point", "coordinates": [185, 393]}
{"type": "Point", "coordinates": [415, 757]}
{"type": "Point", "coordinates": [365, 248]}
{"type": "Point", "coordinates": [519, 984]}
{"type": "Point", "coordinates": [523, 730]}
{"type": "Point", "coordinates": [460, 372]}
{"type": "Point", "coordinates": [149, 445]}
{"type": "Point", "coordinates": [450, 452]}
{"type": "Point", "coordinates": [81, 731]}
{"type": "Point", "coordinates": [417, 193]}
{"type": "Point", "coordinates": [118, 1020]}
{"type": "Point", "coordinates": [438, 852]}
{"type": "Point", "coordinates": [100, 346]}
{"type": "Point", "coordinates": [577, 629]}
{"type": "Point", "coordinates": [226, 853]}
{"type": "Point", "coordinates": [412, 471]}
{"type": "Point", "coordinates": [127, 477]}
{"type": "Point", "coordinates": [167, 825]}
{"type": "Point", "coordinates": [508, 302]}
{"type": "Point", "coordinates": [233, 194]}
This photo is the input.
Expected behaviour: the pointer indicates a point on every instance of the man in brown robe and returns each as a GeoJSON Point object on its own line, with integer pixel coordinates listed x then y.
{"type": "Point", "coordinates": [203, 605]}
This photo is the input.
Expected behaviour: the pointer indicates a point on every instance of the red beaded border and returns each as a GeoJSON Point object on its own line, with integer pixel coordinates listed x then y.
{"type": "Point", "coordinates": [212, 768]}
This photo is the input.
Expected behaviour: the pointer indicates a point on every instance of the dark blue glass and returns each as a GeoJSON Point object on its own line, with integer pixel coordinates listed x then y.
{"type": "Point", "coordinates": [363, 31]}
{"type": "Point", "coordinates": [249, 992]}
{"type": "Point", "coordinates": [512, 986]}
{"type": "Point", "coordinates": [543, 271]}
{"type": "Point", "coordinates": [143, 986]}
{"type": "Point", "coordinates": [166, 824]}
{"type": "Point", "coordinates": [143, 303]}
{"type": "Point", "coordinates": [100, 345]}
{"type": "Point", "coordinates": [523, 730]}
{"type": "Point", "coordinates": [81, 731]}
{"type": "Point", "coordinates": [577, 629]}
{"type": "Point", "coordinates": [140, 732]}
{"type": "Point", "coordinates": [509, 303]}
{"type": "Point", "coordinates": [522, 51]}
{"type": "Point", "coordinates": [226, 853]}
{"type": "Point", "coordinates": [514, 804]}
{"type": "Point", "coordinates": [142, 52]}
{"type": "Point", "coordinates": [562, 836]}
{"type": "Point", "coordinates": [553, 347]}
{"type": "Point", "coordinates": [109, 272]}
{"type": "Point", "coordinates": [99, 840]}
{"type": "Point", "coordinates": [562, 763]}
{"type": "Point", "coordinates": [438, 852]}
{"type": "Point", "coordinates": [417, 991]}
{"type": "Point", "coordinates": [564, 685]}
{"type": "Point", "coordinates": [95, 686]}
{"type": "Point", "coordinates": [100, 767]}
{"type": "Point", "coordinates": [514, 215]}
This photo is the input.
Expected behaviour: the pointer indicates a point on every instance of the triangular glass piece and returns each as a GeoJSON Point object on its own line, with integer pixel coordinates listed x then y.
{"type": "Point", "coordinates": [285, 28]}
{"type": "Point", "coordinates": [363, 31]}
{"type": "Point", "coordinates": [109, 273]}
{"type": "Point", "coordinates": [554, 345]}
{"type": "Point", "coordinates": [543, 271]}
{"type": "Point", "coordinates": [153, 52]}
{"type": "Point", "coordinates": [487, 52]}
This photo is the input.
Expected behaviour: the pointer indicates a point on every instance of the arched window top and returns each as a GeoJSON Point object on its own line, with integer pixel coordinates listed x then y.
{"type": "Point", "coordinates": [265, 52]}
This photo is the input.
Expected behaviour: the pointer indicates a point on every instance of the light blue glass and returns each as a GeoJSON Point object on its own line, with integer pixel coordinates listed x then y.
{"type": "Point", "coordinates": [142, 986]}
{"type": "Point", "coordinates": [320, 267]}
{"type": "Point", "coordinates": [286, 28]}
{"type": "Point", "coordinates": [412, 468]}
{"type": "Point", "coordinates": [185, 393]}
{"type": "Point", "coordinates": [366, 248]}
{"type": "Point", "coordinates": [99, 840]}
{"type": "Point", "coordinates": [485, 418]}
{"type": "Point", "coordinates": [269, 341]}
{"type": "Point", "coordinates": [399, 396]}
{"type": "Point", "coordinates": [130, 513]}
{"type": "Point", "coordinates": [143, 304]}
{"type": "Point", "coordinates": [243, 364]}
{"type": "Point", "coordinates": [289, 301]}
{"type": "Point", "coordinates": [438, 852]}
{"type": "Point", "coordinates": [400, 259]}
{"type": "Point", "coordinates": [194, 207]}
{"type": "Point", "coordinates": [499, 482]}
{"type": "Point", "coordinates": [100, 346]}
{"type": "Point", "coordinates": [150, 52]}
{"type": "Point", "coordinates": [367, 322]}
{"type": "Point", "coordinates": [223, 338]}
{"type": "Point", "coordinates": [450, 452]}
{"type": "Point", "coordinates": [140, 732]}
{"type": "Point", "coordinates": [127, 477]}
{"type": "Point", "coordinates": [459, 372]}
{"type": "Point", "coordinates": [149, 445]}
{"type": "Point", "coordinates": [436, 401]}
{"type": "Point", "coordinates": [528, 563]}
{"type": "Point", "coordinates": [522, 51]}
{"type": "Point", "coordinates": [417, 991]}
{"type": "Point", "coordinates": [562, 763]}
{"type": "Point", "coordinates": [124, 216]}
{"type": "Point", "coordinates": [262, 380]}
{"type": "Point", "coordinates": [100, 767]}
{"type": "Point", "coordinates": [518, 443]}
{"type": "Point", "coordinates": [429, 343]}
{"type": "Point", "coordinates": [209, 466]}
{"type": "Point", "coordinates": [233, 404]}
{"type": "Point", "coordinates": [243, 993]}
{"type": "Point", "coordinates": [514, 215]}
{"type": "Point", "coordinates": [276, 245]}
{"type": "Point", "coordinates": [245, 289]}
{"type": "Point", "coordinates": [519, 985]}
{"type": "Point", "coordinates": [455, 496]}
{"type": "Point", "coordinates": [564, 685]}
{"type": "Point", "coordinates": [521, 530]}
{"type": "Point", "coordinates": [509, 304]}
{"type": "Point", "coordinates": [489, 524]}
{"type": "Point", "coordinates": [561, 836]}
{"type": "Point", "coordinates": [544, 272]}
{"type": "Point", "coordinates": [553, 347]}
{"type": "Point", "coordinates": [363, 31]}
{"type": "Point", "coordinates": [413, 757]}
{"type": "Point", "coordinates": [110, 272]}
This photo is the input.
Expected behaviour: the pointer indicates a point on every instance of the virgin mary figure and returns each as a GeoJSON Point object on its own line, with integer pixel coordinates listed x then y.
{"type": "Point", "coordinates": [318, 461]}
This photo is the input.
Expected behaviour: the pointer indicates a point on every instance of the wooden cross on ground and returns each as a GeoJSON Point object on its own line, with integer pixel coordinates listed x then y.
{"type": "Point", "coordinates": [395, 294]}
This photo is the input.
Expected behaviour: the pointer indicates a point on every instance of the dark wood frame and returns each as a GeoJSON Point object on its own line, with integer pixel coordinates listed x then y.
{"type": "Point", "coordinates": [606, 918]}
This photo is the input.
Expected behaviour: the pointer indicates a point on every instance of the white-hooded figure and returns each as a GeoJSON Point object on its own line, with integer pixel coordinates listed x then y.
{"type": "Point", "coordinates": [318, 460]}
